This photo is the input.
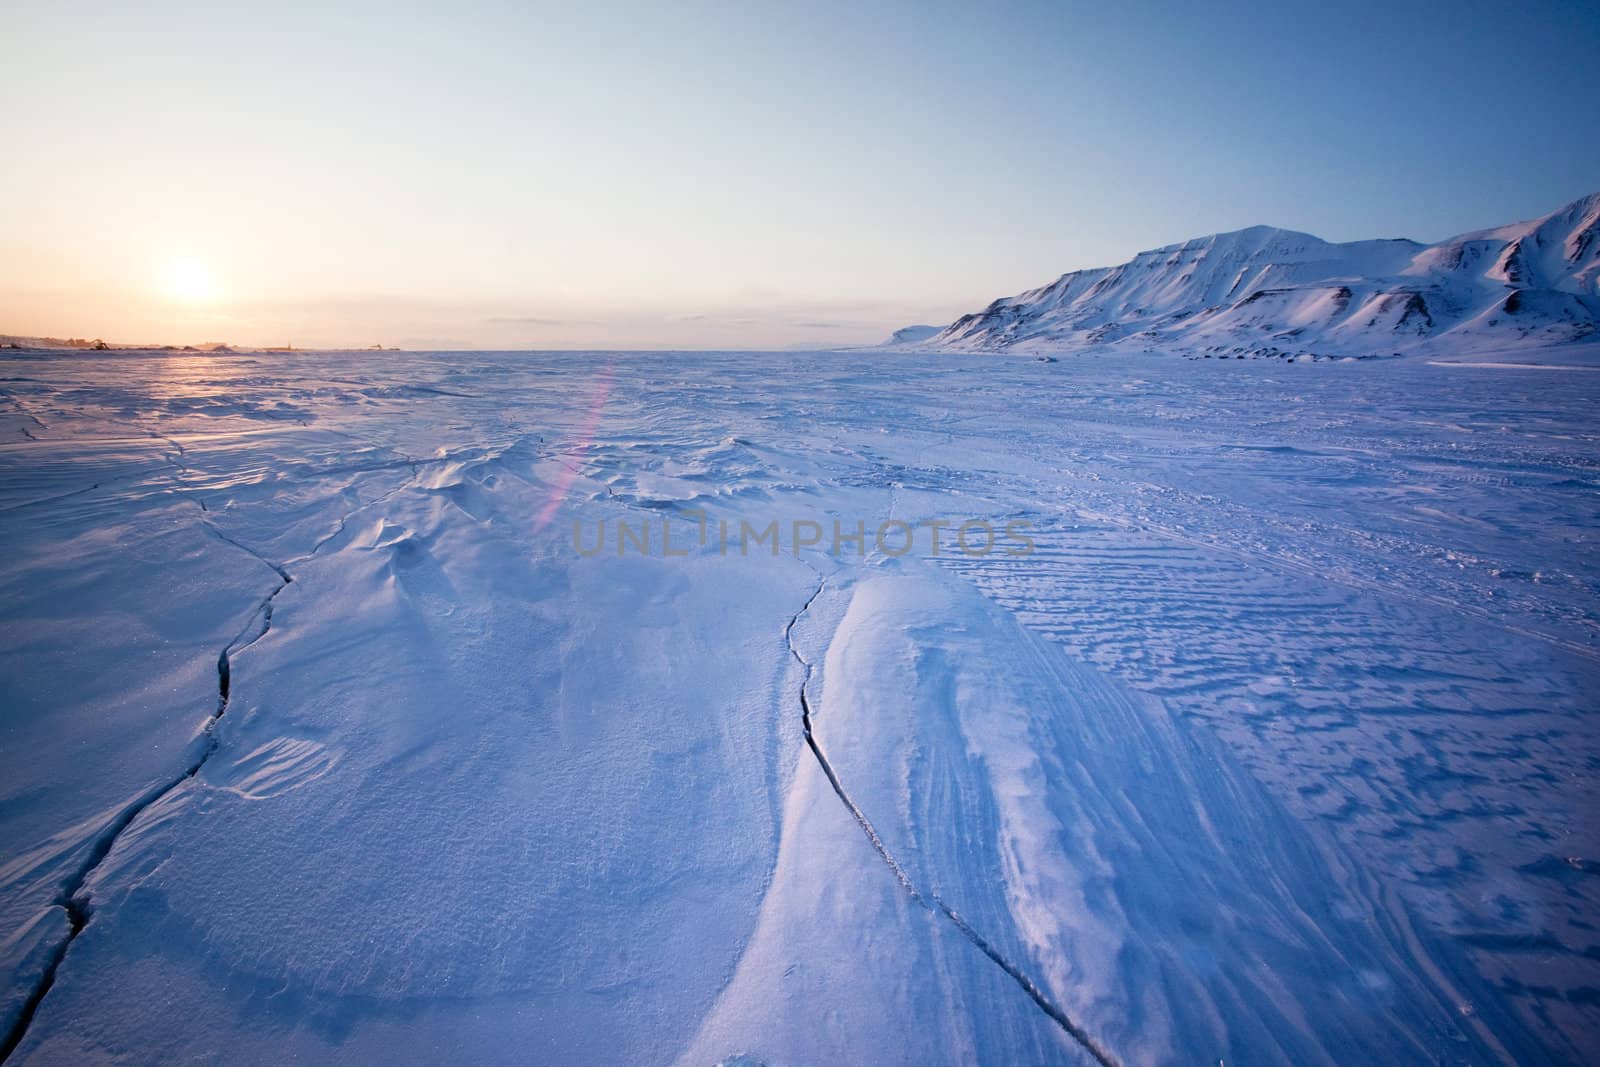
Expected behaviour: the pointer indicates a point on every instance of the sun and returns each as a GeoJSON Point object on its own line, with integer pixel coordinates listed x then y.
{"type": "Point", "coordinates": [189, 281]}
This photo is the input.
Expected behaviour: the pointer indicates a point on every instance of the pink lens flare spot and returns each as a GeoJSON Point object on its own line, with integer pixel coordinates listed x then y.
{"type": "Point", "coordinates": [591, 422]}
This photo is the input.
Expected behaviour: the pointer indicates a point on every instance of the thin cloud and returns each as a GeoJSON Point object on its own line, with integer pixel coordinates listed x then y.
{"type": "Point", "coordinates": [529, 320]}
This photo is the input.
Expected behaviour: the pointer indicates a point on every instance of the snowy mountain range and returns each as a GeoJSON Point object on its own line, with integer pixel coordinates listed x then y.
{"type": "Point", "coordinates": [1269, 292]}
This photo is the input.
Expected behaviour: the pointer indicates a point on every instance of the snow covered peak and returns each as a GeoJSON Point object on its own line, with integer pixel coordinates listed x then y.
{"type": "Point", "coordinates": [1264, 288]}
{"type": "Point", "coordinates": [1252, 240]}
{"type": "Point", "coordinates": [911, 334]}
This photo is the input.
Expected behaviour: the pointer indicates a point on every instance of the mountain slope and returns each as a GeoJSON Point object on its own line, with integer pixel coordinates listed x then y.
{"type": "Point", "coordinates": [1268, 291]}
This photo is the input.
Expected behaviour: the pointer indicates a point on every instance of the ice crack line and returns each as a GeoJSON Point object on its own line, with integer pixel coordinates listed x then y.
{"type": "Point", "coordinates": [931, 901]}
{"type": "Point", "coordinates": [344, 520]}
{"type": "Point", "coordinates": [73, 899]}
{"type": "Point", "coordinates": [822, 759]}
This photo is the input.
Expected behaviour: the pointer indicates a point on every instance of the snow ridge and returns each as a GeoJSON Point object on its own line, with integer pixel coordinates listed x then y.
{"type": "Point", "coordinates": [931, 900]}
{"type": "Point", "coordinates": [827, 767]}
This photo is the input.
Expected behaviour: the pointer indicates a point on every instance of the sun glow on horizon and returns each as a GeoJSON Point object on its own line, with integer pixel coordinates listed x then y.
{"type": "Point", "coordinates": [188, 281]}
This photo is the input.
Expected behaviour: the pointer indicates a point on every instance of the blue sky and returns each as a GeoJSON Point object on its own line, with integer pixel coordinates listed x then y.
{"type": "Point", "coordinates": [732, 175]}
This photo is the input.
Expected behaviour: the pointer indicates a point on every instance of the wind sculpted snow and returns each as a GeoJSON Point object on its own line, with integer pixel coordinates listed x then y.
{"type": "Point", "coordinates": [1274, 746]}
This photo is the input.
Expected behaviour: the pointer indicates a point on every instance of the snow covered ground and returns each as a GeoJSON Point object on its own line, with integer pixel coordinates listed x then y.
{"type": "Point", "coordinates": [325, 737]}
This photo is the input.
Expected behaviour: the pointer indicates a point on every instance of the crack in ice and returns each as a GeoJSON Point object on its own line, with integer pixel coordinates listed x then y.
{"type": "Point", "coordinates": [931, 900]}
{"type": "Point", "coordinates": [72, 898]}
